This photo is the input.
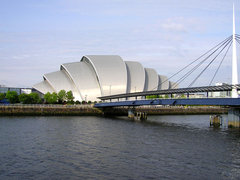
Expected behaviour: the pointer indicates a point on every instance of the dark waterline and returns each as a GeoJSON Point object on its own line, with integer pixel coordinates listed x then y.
{"type": "Point", "coordinates": [164, 147]}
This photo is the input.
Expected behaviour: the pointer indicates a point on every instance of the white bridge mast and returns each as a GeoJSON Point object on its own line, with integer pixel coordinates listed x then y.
{"type": "Point", "coordinates": [234, 61]}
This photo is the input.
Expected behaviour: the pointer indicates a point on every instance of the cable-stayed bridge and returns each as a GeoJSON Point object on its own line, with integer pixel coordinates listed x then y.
{"type": "Point", "coordinates": [174, 94]}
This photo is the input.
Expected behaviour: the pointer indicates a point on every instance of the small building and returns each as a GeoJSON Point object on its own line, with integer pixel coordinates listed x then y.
{"type": "Point", "coordinates": [4, 89]}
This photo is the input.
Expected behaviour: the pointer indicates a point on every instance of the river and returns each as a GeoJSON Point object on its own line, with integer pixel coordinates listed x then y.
{"type": "Point", "coordinates": [163, 147]}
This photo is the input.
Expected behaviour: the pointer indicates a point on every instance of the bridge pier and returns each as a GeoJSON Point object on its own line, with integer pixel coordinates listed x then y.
{"type": "Point", "coordinates": [131, 113]}
{"type": "Point", "coordinates": [139, 116]}
{"type": "Point", "coordinates": [233, 117]}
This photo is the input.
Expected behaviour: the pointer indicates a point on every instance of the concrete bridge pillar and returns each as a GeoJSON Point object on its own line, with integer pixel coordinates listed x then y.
{"type": "Point", "coordinates": [139, 116]}
{"type": "Point", "coordinates": [131, 113]}
{"type": "Point", "coordinates": [233, 117]}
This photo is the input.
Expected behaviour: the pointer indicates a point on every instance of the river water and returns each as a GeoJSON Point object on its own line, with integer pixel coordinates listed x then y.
{"type": "Point", "coordinates": [164, 147]}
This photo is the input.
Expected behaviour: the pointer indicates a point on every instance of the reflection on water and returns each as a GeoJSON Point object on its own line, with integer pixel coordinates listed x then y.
{"type": "Point", "coordinates": [175, 147]}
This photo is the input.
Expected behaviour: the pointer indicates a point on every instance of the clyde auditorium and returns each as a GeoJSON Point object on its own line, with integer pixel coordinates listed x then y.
{"type": "Point", "coordinates": [102, 75]}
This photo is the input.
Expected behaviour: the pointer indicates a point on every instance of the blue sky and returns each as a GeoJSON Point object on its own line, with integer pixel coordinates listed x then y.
{"type": "Point", "coordinates": [36, 37]}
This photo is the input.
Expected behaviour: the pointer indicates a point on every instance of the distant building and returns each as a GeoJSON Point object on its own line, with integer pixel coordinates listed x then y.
{"type": "Point", "coordinates": [220, 93]}
{"type": "Point", "coordinates": [18, 90]}
{"type": "Point", "coordinates": [102, 75]}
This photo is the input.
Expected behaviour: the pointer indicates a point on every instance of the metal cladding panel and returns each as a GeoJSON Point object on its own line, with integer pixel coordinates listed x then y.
{"type": "Point", "coordinates": [59, 80]}
{"type": "Point", "coordinates": [83, 76]}
{"type": "Point", "coordinates": [151, 79]}
{"type": "Point", "coordinates": [136, 76]}
{"type": "Point", "coordinates": [173, 85]}
{"type": "Point", "coordinates": [111, 73]}
{"type": "Point", "coordinates": [163, 82]}
{"type": "Point", "coordinates": [43, 87]}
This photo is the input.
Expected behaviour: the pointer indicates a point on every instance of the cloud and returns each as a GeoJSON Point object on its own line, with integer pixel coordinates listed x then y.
{"type": "Point", "coordinates": [173, 26]}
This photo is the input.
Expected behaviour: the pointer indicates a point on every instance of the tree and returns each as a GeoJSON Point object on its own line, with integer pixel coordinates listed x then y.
{"type": "Point", "coordinates": [54, 98]}
{"type": "Point", "coordinates": [35, 99]}
{"type": "Point", "coordinates": [50, 98]}
{"type": "Point", "coordinates": [166, 96]}
{"type": "Point", "coordinates": [2, 96]}
{"type": "Point", "coordinates": [69, 97]}
{"type": "Point", "coordinates": [77, 102]}
{"type": "Point", "coordinates": [61, 96]}
{"type": "Point", "coordinates": [24, 98]}
{"type": "Point", "coordinates": [47, 97]}
{"type": "Point", "coordinates": [12, 96]}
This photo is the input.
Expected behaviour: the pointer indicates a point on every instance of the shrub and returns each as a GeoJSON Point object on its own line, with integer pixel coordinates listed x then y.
{"type": "Point", "coordinates": [12, 96]}
{"type": "Point", "coordinates": [77, 102]}
{"type": "Point", "coordinates": [61, 96]}
{"type": "Point", "coordinates": [2, 96]}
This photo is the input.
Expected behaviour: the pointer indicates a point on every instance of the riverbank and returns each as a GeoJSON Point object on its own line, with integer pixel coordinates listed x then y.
{"type": "Point", "coordinates": [49, 110]}
{"type": "Point", "coordinates": [89, 110]}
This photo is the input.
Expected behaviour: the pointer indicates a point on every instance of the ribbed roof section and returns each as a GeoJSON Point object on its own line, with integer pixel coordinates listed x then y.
{"type": "Point", "coordinates": [110, 71]}
{"type": "Point", "coordinates": [163, 82]}
{"type": "Point", "coordinates": [151, 79]}
{"type": "Point", "coordinates": [136, 76]}
{"type": "Point", "coordinates": [43, 87]}
{"type": "Point", "coordinates": [59, 80]}
{"type": "Point", "coordinates": [173, 85]}
{"type": "Point", "coordinates": [85, 79]}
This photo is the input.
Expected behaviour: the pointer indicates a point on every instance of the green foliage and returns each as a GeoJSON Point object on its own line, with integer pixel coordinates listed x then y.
{"type": "Point", "coordinates": [47, 97]}
{"type": "Point", "coordinates": [89, 102]}
{"type": "Point", "coordinates": [35, 99]}
{"type": "Point", "coordinates": [77, 102]}
{"type": "Point", "coordinates": [61, 96]}
{"type": "Point", "coordinates": [12, 96]}
{"type": "Point", "coordinates": [84, 102]}
{"type": "Point", "coordinates": [69, 96]}
{"type": "Point", "coordinates": [166, 96]}
{"type": "Point", "coordinates": [152, 97]}
{"type": "Point", "coordinates": [2, 96]}
{"type": "Point", "coordinates": [54, 98]}
{"type": "Point", "coordinates": [24, 98]}
{"type": "Point", "coordinates": [51, 98]}
{"type": "Point", "coordinates": [182, 96]}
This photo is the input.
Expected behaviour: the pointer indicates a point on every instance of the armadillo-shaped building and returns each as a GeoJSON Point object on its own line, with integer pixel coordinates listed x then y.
{"type": "Point", "coordinates": [102, 75]}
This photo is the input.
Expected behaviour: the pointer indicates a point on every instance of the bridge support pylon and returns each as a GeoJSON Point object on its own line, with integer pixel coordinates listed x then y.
{"type": "Point", "coordinates": [138, 116]}
{"type": "Point", "coordinates": [233, 118]}
{"type": "Point", "coordinates": [131, 113]}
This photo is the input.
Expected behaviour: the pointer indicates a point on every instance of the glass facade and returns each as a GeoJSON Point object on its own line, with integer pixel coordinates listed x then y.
{"type": "Point", "coordinates": [18, 90]}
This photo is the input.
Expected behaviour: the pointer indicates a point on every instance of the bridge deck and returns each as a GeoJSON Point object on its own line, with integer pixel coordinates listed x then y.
{"type": "Point", "coordinates": [174, 91]}
{"type": "Point", "coordinates": [196, 101]}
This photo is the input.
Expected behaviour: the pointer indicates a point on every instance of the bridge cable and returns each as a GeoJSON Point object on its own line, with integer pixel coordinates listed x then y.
{"type": "Point", "coordinates": [199, 64]}
{"type": "Point", "coordinates": [194, 68]}
{"type": "Point", "coordinates": [208, 64]}
{"type": "Point", "coordinates": [193, 62]}
{"type": "Point", "coordinates": [220, 64]}
{"type": "Point", "coordinates": [237, 39]}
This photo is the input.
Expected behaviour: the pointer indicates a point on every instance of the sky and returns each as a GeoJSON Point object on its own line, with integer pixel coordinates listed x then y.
{"type": "Point", "coordinates": [36, 37]}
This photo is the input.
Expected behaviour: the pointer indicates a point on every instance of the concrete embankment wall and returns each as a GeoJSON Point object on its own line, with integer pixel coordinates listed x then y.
{"type": "Point", "coordinates": [169, 110]}
{"type": "Point", "coordinates": [89, 110]}
{"type": "Point", "coordinates": [49, 110]}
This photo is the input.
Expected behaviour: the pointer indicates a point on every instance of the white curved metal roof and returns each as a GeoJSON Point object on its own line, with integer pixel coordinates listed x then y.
{"type": "Point", "coordinates": [59, 80]}
{"type": "Point", "coordinates": [173, 85]}
{"type": "Point", "coordinates": [84, 77]}
{"type": "Point", "coordinates": [151, 79]}
{"type": "Point", "coordinates": [111, 73]}
{"type": "Point", "coordinates": [163, 82]}
{"type": "Point", "coordinates": [136, 76]}
{"type": "Point", "coordinates": [43, 87]}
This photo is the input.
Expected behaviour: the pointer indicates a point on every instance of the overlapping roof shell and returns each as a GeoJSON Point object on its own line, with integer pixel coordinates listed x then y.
{"type": "Point", "coordinates": [102, 75]}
